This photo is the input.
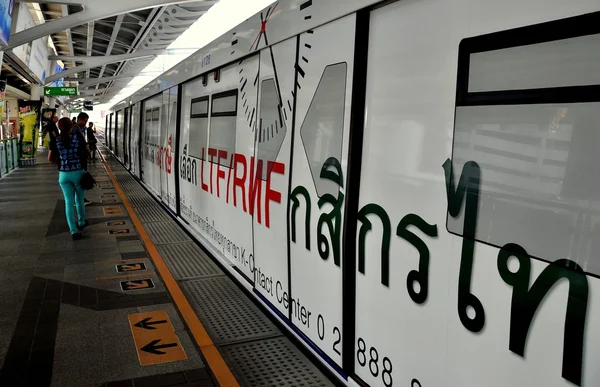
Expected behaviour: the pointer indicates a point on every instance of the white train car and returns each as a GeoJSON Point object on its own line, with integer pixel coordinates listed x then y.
{"type": "Point", "coordinates": [411, 187]}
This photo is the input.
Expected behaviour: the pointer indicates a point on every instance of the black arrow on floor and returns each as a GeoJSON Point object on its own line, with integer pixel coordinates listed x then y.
{"type": "Point", "coordinates": [147, 324]}
{"type": "Point", "coordinates": [153, 348]}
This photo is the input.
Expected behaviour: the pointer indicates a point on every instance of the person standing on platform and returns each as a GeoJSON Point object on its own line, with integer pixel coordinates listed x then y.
{"type": "Point", "coordinates": [91, 139]}
{"type": "Point", "coordinates": [50, 130]}
{"type": "Point", "coordinates": [80, 127]}
{"type": "Point", "coordinates": [70, 149]}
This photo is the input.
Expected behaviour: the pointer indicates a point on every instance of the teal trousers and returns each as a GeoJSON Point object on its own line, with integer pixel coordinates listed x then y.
{"type": "Point", "coordinates": [70, 183]}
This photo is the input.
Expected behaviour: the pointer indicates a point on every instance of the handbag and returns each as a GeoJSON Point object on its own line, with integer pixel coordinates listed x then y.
{"type": "Point", "coordinates": [87, 181]}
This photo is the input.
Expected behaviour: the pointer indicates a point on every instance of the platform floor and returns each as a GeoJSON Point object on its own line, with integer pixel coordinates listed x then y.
{"type": "Point", "coordinates": [135, 303]}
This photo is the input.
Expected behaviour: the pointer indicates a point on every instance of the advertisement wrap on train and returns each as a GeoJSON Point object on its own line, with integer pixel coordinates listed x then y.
{"type": "Point", "coordinates": [409, 187]}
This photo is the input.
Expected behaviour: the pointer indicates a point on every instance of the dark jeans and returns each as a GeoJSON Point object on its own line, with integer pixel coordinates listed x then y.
{"type": "Point", "coordinates": [93, 148]}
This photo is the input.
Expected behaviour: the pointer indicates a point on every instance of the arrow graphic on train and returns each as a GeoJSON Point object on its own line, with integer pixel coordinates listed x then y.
{"type": "Point", "coordinates": [147, 324]}
{"type": "Point", "coordinates": [153, 347]}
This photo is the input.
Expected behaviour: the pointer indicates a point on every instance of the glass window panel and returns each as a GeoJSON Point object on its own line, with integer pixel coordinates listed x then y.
{"type": "Point", "coordinates": [198, 137]}
{"type": "Point", "coordinates": [540, 181]}
{"type": "Point", "coordinates": [272, 128]}
{"type": "Point", "coordinates": [323, 128]}
{"type": "Point", "coordinates": [565, 62]}
{"type": "Point", "coordinates": [222, 136]}
{"type": "Point", "coordinates": [200, 107]}
{"type": "Point", "coordinates": [226, 104]}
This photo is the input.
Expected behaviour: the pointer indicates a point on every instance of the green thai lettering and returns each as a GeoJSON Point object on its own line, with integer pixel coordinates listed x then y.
{"type": "Point", "coordinates": [420, 276]}
{"type": "Point", "coordinates": [375, 209]}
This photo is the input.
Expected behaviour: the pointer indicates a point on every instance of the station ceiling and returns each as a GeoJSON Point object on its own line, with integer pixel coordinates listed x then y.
{"type": "Point", "coordinates": [141, 30]}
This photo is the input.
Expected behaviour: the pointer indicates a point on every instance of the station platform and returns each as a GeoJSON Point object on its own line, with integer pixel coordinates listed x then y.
{"type": "Point", "coordinates": [136, 302]}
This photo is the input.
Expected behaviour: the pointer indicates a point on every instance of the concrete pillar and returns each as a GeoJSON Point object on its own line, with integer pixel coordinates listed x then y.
{"type": "Point", "coordinates": [37, 91]}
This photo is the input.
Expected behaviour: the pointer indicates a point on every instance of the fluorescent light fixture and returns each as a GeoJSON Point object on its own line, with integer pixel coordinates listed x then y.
{"type": "Point", "coordinates": [219, 19]}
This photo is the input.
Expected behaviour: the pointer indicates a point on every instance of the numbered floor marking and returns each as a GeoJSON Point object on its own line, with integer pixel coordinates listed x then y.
{"type": "Point", "coordinates": [112, 211]}
{"type": "Point", "coordinates": [155, 339]}
{"type": "Point", "coordinates": [127, 267]}
{"type": "Point", "coordinates": [140, 284]}
{"type": "Point", "coordinates": [116, 223]}
{"type": "Point", "coordinates": [119, 231]}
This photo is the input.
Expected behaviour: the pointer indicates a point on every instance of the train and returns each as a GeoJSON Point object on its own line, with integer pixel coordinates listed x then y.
{"type": "Point", "coordinates": [410, 188]}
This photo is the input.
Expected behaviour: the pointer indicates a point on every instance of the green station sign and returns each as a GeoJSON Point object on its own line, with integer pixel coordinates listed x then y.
{"type": "Point", "coordinates": [58, 91]}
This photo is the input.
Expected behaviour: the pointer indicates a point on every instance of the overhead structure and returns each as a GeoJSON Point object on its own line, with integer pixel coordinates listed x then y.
{"type": "Point", "coordinates": [104, 44]}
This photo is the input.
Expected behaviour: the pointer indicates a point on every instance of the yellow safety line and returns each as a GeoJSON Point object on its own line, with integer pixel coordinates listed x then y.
{"type": "Point", "coordinates": [210, 352]}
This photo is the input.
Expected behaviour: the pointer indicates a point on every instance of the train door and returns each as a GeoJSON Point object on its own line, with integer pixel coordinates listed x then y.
{"type": "Point", "coordinates": [111, 131]}
{"type": "Point", "coordinates": [401, 244]}
{"type": "Point", "coordinates": [134, 143]}
{"type": "Point", "coordinates": [106, 130]}
{"type": "Point", "coordinates": [166, 147]}
{"type": "Point", "coordinates": [273, 139]}
{"type": "Point", "coordinates": [218, 114]}
{"type": "Point", "coordinates": [320, 157]}
{"type": "Point", "coordinates": [118, 137]}
{"type": "Point", "coordinates": [150, 172]}
{"type": "Point", "coordinates": [126, 122]}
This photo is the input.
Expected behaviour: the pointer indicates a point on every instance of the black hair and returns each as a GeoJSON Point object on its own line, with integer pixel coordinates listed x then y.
{"type": "Point", "coordinates": [65, 125]}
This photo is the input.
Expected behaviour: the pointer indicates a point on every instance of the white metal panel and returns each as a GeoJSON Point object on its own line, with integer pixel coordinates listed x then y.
{"type": "Point", "coordinates": [273, 145]}
{"type": "Point", "coordinates": [322, 130]}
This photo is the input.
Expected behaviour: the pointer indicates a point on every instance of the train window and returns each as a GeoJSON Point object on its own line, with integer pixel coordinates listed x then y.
{"type": "Point", "coordinates": [272, 127]}
{"type": "Point", "coordinates": [225, 103]}
{"type": "Point", "coordinates": [323, 128]}
{"type": "Point", "coordinates": [559, 63]}
{"type": "Point", "coordinates": [223, 117]}
{"type": "Point", "coordinates": [528, 114]}
{"type": "Point", "coordinates": [156, 114]}
{"type": "Point", "coordinates": [199, 128]}
{"type": "Point", "coordinates": [200, 106]}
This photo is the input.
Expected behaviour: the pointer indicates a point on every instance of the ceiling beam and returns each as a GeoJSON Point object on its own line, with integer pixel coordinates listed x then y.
{"type": "Point", "coordinates": [90, 43]}
{"type": "Point", "coordinates": [147, 26]}
{"type": "Point", "coordinates": [97, 81]}
{"type": "Point", "coordinates": [89, 62]}
{"type": "Point", "coordinates": [90, 92]}
{"type": "Point", "coordinates": [92, 10]}
{"type": "Point", "coordinates": [118, 23]}
{"type": "Point", "coordinates": [111, 43]}
{"type": "Point", "coordinates": [65, 13]}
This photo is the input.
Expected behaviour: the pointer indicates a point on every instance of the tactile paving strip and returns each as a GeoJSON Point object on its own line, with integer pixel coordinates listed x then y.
{"type": "Point", "coordinates": [252, 345]}
{"type": "Point", "coordinates": [274, 362]}
{"type": "Point", "coordinates": [187, 260]}
{"type": "Point", "coordinates": [152, 214]}
{"type": "Point", "coordinates": [166, 232]}
{"type": "Point", "coordinates": [142, 200]}
{"type": "Point", "coordinates": [226, 312]}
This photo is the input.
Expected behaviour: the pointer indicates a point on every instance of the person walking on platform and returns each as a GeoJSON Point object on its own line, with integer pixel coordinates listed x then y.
{"type": "Point", "coordinates": [70, 149]}
{"type": "Point", "coordinates": [91, 139]}
{"type": "Point", "coordinates": [80, 127]}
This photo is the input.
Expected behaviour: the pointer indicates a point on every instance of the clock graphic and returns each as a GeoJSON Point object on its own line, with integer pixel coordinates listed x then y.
{"type": "Point", "coordinates": [269, 123]}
